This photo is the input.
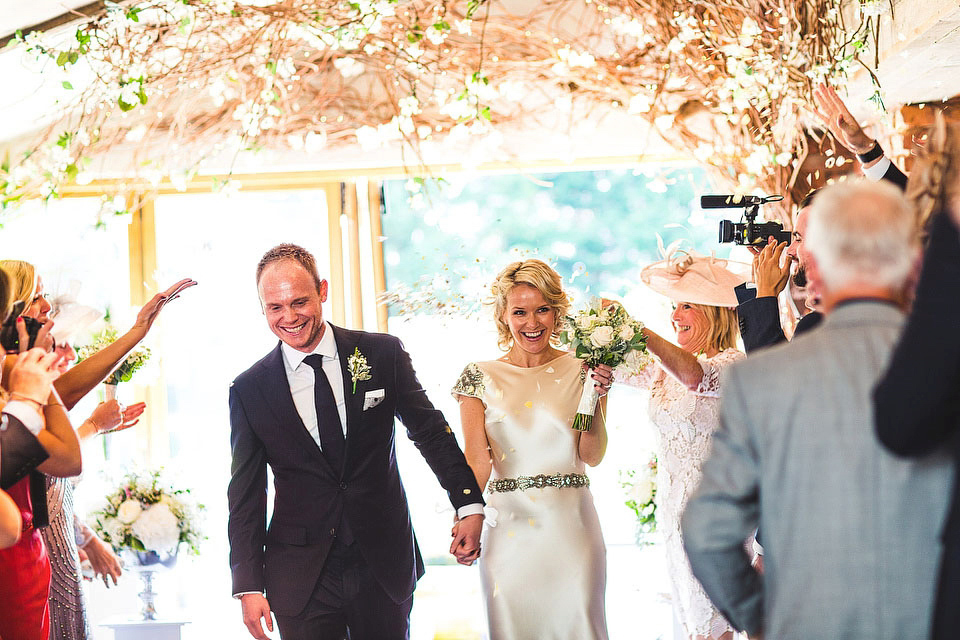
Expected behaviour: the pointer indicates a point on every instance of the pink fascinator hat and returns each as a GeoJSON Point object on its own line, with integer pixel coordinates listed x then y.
{"type": "Point", "coordinates": [688, 277]}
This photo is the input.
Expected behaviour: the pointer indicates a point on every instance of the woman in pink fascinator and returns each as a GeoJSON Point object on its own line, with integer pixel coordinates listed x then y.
{"type": "Point", "coordinates": [684, 383]}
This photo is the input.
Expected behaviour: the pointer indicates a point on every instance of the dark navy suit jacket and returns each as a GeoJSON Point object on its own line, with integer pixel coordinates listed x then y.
{"type": "Point", "coordinates": [312, 499]}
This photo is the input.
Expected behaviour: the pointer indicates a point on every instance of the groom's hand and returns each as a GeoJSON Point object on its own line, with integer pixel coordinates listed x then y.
{"type": "Point", "coordinates": [466, 539]}
{"type": "Point", "coordinates": [255, 606]}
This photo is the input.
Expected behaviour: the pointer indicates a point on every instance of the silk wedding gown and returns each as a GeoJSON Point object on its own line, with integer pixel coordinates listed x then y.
{"type": "Point", "coordinates": [543, 566]}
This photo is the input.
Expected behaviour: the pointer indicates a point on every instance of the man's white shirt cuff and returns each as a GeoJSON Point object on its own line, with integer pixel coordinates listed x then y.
{"type": "Point", "coordinates": [25, 413]}
{"type": "Point", "coordinates": [875, 172]}
{"type": "Point", "coordinates": [472, 509]}
{"type": "Point", "coordinates": [245, 593]}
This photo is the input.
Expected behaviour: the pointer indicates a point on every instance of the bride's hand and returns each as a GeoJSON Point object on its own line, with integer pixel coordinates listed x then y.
{"type": "Point", "coordinates": [603, 377]}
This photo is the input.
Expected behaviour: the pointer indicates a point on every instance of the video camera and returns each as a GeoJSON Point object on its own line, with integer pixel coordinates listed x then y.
{"type": "Point", "coordinates": [751, 232]}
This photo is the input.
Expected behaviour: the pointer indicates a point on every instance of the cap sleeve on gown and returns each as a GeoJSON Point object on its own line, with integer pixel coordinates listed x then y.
{"type": "Point", "coordinates": [471, 383]}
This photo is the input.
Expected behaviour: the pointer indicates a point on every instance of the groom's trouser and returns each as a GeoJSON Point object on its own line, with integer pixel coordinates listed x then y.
{"type": "Point", "coordinates": [348, 602]}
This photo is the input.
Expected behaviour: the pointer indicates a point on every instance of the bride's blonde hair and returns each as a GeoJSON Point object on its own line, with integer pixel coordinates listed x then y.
{"type": "Point", "coordinates": [534, 273]}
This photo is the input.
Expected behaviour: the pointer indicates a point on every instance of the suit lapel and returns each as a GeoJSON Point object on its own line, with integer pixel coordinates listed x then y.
{"type": "Point", "coordinates": [276, 388]}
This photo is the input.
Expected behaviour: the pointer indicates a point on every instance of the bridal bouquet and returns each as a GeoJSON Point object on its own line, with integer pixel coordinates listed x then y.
{"type": "Point", "coordinates": [123, 373]}
{"type": "Point", "coordinates": [603, 335]}
{"type": "Point", "coordinates": [142, 515]}
{"type": "Point", "coordinates": [641, 489]}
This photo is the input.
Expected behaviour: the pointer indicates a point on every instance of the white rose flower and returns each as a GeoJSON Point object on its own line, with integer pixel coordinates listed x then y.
{"type": "Point", "coordinates": [158, 529]}
{"type": "Point", "coordinates": [636, 360]}
{"type": "Point", "coordinates": [584, 321]}
{"type": "Point", "coordinates": [128, 511]}
{"type": "Point", "coordinates": [601, 336]}
{"type": "Point", "coordinates": [643, 492]}
{"type": "Point", "coordinates": [626, 332]}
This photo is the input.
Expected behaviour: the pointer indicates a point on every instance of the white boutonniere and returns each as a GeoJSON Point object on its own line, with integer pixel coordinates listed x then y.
{"type": "Point", "coordinates": [358, 368]}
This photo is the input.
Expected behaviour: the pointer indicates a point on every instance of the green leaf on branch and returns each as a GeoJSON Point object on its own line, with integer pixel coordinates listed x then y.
{"type": "Point", "coordinates": [63, 58]}
{"type": "Point", "coordinates": [133, 14]}
{"type": "Point", "coordinates": [124, 106]}
{"type": "Point", "coordinates": [67, 85]}
{"type": "Point", "coordinates": [73, 56]}
{"type": "Point", "coordinates": [485, 113]}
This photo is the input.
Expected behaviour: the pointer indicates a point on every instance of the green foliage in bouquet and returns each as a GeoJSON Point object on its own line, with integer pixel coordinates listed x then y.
{"type": "Point", "coordinates": [144, 515]}
{"type": "Point", "coordinates": [124, 372]}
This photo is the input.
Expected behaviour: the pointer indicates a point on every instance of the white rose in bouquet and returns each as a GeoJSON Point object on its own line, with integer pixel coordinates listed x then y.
{"type": "Point", "coordinates": [626, 332]}
{"type": "Point", "coordinates": [158, 529]}
{"type": "Point", "coordinates": [601, 336]}
{"type": "Point", "coordinates": [585, 321]}
{"type": "Point", "coordinates": [635, 361]}
{"type": "Point", "coordinates": [129, 511]}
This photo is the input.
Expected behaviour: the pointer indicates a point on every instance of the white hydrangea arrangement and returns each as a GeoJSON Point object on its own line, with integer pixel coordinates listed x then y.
{"type": "Point", "coordinates": [143, 515]}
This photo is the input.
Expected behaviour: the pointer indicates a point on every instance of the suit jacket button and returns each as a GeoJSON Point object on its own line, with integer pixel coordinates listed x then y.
{"type": "Point", "coordinates": [333, 532]}
{"type": "Point", "coordinates": [343, 486]}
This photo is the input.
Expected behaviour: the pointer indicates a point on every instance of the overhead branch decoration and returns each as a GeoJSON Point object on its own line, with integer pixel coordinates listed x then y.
{"type": "Point", "coordinates": [182, 78]}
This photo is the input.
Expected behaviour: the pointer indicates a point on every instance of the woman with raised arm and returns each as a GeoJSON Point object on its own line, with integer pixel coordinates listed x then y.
{"type": "Point", "coordinates": [684, 385]}
{"type": "Point", "coordinates": [543, 565]}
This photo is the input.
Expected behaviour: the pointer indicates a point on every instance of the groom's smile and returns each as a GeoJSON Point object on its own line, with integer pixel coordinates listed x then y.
{"type": "Point", "coordinates": [292, 304]}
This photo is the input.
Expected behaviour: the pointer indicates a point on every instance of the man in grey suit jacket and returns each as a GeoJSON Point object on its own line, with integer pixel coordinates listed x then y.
{"type": "Point", "coordinates": [851, 533]}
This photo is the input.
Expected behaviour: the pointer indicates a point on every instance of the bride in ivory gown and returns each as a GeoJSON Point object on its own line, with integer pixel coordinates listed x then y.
{"type": "Point", "coordinates": [543, 560]}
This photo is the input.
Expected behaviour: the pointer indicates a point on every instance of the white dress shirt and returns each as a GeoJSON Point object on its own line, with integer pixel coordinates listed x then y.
{"type": "Point", "coordinates": [301, 378]}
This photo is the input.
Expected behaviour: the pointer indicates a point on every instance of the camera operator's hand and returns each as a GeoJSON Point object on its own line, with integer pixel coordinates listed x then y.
{"type": "Point", "coordinates": [771, 277]}
{"type": "Point", "coordinates": [835, 116]}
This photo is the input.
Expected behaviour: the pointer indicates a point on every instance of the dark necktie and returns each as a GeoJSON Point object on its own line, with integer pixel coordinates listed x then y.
{"type": "Point", "coordinates": [328, 418]}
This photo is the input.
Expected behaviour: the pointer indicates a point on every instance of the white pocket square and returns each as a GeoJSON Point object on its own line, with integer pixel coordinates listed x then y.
{"type": "Point", "coordinates": [372, 398]}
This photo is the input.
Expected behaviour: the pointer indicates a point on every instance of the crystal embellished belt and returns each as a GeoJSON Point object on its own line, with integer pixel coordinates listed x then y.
{"type": "Point", "coordinates": [522, 483]}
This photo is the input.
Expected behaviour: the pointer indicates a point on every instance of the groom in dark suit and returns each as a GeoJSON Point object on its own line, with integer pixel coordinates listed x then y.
{"type": "Point", "coordinates": [340, 558]}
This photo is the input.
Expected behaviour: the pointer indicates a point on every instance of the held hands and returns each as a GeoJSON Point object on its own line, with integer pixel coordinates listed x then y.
{"type": "Point", "coordinates": [466, 539]}
{"type": "Point", "coordinates": [151, 310]}
{"type": "Point", "coordinates": [255, 607]}
{"type": "Point", "coordinates": [770, 276]}
{"type": "Point", "coordinates": [835, 116]}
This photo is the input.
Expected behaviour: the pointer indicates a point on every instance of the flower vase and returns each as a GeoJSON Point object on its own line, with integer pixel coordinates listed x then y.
{"type": "Point", "coordinates": [109, 391]}
{"type": "Point", "coordinates": [147, 563]}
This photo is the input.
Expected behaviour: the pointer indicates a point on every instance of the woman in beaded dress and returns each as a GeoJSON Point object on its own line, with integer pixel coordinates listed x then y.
{"type": "Point", "coordinates": [684, 385]}
{"type": "Point", "coordinates": [543, 560]}
{"type": "Point", "coordinates": [67, 613]}
{"type": "Point", "coordinates": [67, 534]}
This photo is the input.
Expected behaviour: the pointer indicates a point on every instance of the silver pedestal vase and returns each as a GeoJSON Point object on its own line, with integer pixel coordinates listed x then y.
{"type": "Point", "coordinates": [147, 563]}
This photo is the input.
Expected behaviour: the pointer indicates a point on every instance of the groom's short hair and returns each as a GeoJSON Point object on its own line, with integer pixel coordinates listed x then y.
{"type": "Point", "coordinates": [288, 251]}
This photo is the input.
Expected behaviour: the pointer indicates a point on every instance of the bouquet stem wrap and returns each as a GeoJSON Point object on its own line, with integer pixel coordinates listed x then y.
{"type": "Point", "coordinates": [588, 404]}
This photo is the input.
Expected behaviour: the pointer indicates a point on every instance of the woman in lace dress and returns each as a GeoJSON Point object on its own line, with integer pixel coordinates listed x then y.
{"type": "Point", "coordinates": [543, 561]}
{"type": "Point", "coordinates": [684, 385]}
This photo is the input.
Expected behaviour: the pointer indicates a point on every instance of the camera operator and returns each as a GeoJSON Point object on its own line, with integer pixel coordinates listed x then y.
{"type": "Point", "coordinates": [758, 312]}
